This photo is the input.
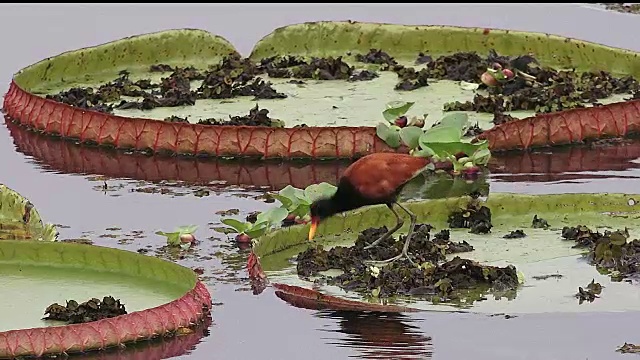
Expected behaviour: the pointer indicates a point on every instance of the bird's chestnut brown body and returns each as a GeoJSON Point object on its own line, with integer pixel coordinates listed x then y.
{"type": "Point", "coordinates": [380, 177]}
{"type": "Point", "coordinates": [373, 179]}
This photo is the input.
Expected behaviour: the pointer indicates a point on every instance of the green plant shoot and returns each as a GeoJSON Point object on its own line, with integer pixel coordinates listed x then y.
{"type": "Point", "coordinates": [297, 201]}
{"type": "Point", "coordinates": [173, 238]}
{"type": "Point", "coordinates": [395, 109]}
{"type": "Point", "coordinates": [264, 222]}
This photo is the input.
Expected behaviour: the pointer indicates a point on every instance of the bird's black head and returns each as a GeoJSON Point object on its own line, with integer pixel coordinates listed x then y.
{"type": "Point", "coordinates": [323, 208]}
{"type": "Point", "coordinates": [320, 210]}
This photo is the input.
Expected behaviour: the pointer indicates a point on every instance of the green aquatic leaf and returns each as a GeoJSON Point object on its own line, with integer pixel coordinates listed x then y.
{"type": "Point", "coordinates": [292, 193]}
{"type": "Point", "coordinates": [443, 185]}
{"type": "Point", "coordinates": [410, 136]}
{"type": "Point", "coordinates": [257, 230]}
{"type": "Point", "coordinates": [443, 133]}
{"type": "Point", "coordinates": [173, 238]}
{"type": "Point", "coordinates": [481, 156]}
{"type": "Point", "coordinates": [239, 226]}
{"type": "Point", "coordinates": [317, 191]}
{"type": "Point", "coordinates": [272, 216]}
{"type": "Point", "coordinates": [188, 229]}
{"type": "Point", "coordinates": [285, 201]}
{"type": "Point", "coordinates": [288, 192]}
{"type": "Point", "coordinates": [424, 152]}
{"type": "Point", "coordinates": [396, 109]}
{"type": "Point", "coordinates": [456, 120]}
{"type": "Point", "coordinates": [389, 134]}
{"type": "Point", "coordinates": [541, 252]}
{"type": "Point", "coordinates": [302, 210]}
{"type": "Point", "coordinates": [443, 149]}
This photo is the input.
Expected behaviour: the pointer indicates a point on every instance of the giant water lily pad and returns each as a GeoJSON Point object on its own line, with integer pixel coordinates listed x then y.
{"type": "Point", "coordinates": [36, 275]}
{"type": "Point", "coordinates": [20, 220]}
{"type": "Point", "coordinates": [541, 253]}
{"type": "Point", "coordinates": [311, 74]}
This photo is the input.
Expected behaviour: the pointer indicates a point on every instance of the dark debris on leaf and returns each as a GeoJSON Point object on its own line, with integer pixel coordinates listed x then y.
{"type": "Point", "coordinates": [100, 99]}
{"type": "Point", "coordinates": [379, 57]}
{"type": "Point", "coordinates": [175, 90]}
{"type": "Point", "coordinates": [160, 68]}
{"type": "Point", "coordinates": [589, 293]}
{"type": "Point", "coordinates": [324, 69]}
{"type": "Point", "coordinates": [465, 66]}
{"type": "Point", "coordinates": [329, 68]}
{"type": "Point", "coordinates": [539, 223]}
{"type": "Point", "coordinates": [549, 276]}
{"type": "Point", "coordinates": [462, 66]}
{"type": "Point", "coordinates": [610, 252]}
{"type": "Point", "coordinates": [363, 75]}
{"type": "Point", "coordinates": [84, 98]}
{"type": "Point", "coordinates": [410, 79]}
{"type": "Point", "coordinates": [276, 66]}
{"type": "Point", "coordinates": [253, 217]}
{"type": "Point", "coordinates": [256, 117]}
{"type": "Point", "coordinates": [516, 234]}
{"type": "Point", "coordinates": [473, 130]}
{"type": "Point", "coordinates": [91, 310]}
{"type": "Point", "coordinates": [500, 118]}
{"type": "Point", "coordinates": [628, 348]}
{"type": "Point", "coordinates": [423, 59]}
{"type": "Point", "coordinates": [176, 119]}
{"type": "Point", "coordinates": [436, 278]}
{"type": "Point", "coordinates": [544, 90]}
{"type": "Point", "coordinates": [475, 217]}
{"type": "Point", "coordinates": [236, 76]}
{"type": "Point", "coordinates": [259, 89]}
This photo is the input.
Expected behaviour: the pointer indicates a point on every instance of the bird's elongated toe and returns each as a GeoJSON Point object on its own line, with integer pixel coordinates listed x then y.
{"type": "Point", "coordinates": [404, 254]}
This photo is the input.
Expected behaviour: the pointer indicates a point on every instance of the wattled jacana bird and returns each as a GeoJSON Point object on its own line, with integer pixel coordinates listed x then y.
{"type": "Point", "coordinates": [373, 179]}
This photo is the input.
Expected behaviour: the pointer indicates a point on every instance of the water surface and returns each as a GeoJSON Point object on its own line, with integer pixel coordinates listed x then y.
{"type": "Point", "coordinates": [246, 326]}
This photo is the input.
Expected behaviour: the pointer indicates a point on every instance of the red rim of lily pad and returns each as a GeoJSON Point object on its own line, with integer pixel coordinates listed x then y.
{"type": "Point", "coordinates": [564, 127]}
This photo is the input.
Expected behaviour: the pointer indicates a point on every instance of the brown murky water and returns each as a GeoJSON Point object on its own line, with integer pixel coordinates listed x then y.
{"type": "Point", "coordinates": [64, 182]}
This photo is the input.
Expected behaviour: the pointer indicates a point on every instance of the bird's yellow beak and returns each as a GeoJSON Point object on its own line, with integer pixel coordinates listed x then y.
{"type": "Point", "coordinates": [313, 228]}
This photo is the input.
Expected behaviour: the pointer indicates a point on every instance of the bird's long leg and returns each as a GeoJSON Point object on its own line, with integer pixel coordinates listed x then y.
{"type": "Point", "coordinates": [388, 234]}
{"type": "Point", "coordinates": [405, 248]}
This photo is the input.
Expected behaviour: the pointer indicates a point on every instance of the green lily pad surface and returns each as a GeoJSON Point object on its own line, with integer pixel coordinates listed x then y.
{"type": "Point", "coordinates": [20, 220]}
{"type": "Point", "coordinates": [318, 102]}
{"type": "Point", "coordinates": [34, 275]}
{"type": "Point", "coordinates": [541, 253]}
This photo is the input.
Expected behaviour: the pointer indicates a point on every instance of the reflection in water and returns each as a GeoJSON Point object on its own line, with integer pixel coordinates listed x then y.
{"type": "Point", "coordinates": [379, 335]}
{"type": "Point", "coordinates": [565, 163]}
{"type": "Point", "coordinates": [558, 164]}
{"type": "Point", "coordinates": [71, 158]}
{"type": "Point", "coordinates": [440, 186]}
{"type": "Point", "coordinates": [153, 350]}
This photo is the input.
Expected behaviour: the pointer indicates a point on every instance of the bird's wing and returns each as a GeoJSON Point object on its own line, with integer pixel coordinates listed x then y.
{"type": "Point", "coordinates": [380, 177]}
